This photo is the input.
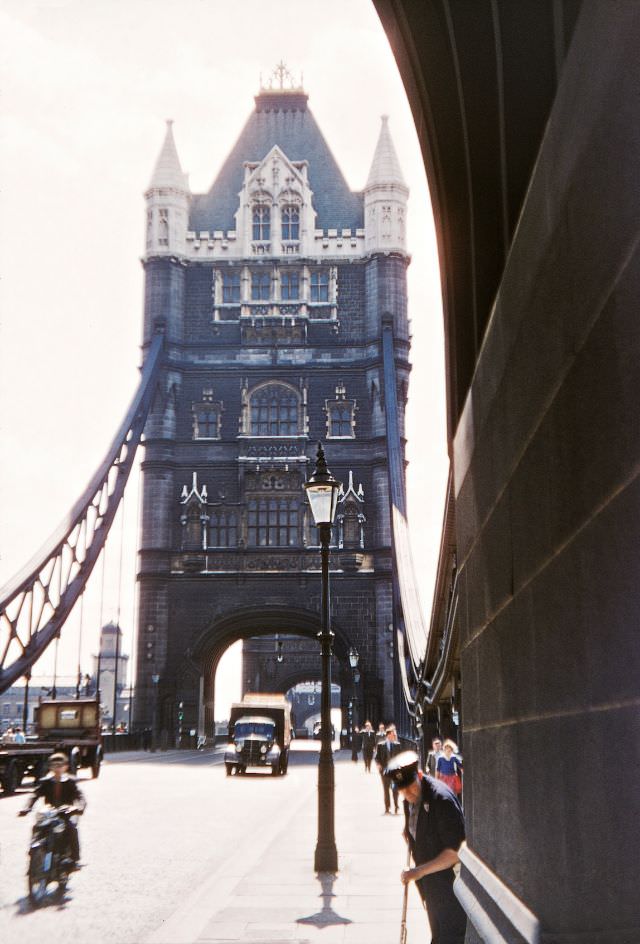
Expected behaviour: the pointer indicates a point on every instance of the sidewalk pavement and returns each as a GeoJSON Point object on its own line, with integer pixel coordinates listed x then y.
{"type": "Point", "coordinates": [273, 895]}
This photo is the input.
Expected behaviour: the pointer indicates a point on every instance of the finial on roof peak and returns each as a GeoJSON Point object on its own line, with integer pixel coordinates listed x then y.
{"type": "Point", "coordinates": [281, 80]}
{"type": "Point", "coordinates": [384, 119]}
{"type": "Point", "coordinates": [169, 122]}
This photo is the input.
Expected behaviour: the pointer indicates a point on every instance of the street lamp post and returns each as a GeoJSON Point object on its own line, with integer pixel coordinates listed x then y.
{"type": "Point", "coordinates": [322, 490]}
{"type": "Point", "coordinates": [354, 656]}
{"type": "Point", "coordinates": [154, 729]}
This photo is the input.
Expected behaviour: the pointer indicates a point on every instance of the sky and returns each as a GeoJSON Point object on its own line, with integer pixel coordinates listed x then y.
{"type": "Point", "coordinates": [85, 89]}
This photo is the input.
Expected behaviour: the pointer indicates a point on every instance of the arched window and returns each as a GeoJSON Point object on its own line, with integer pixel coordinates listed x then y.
{"type": "Point", "coordinates": [261, 220]}
{"type": "Point", "coordinates": [273, 522]}
{"type": "Point", "coordinates": [290, 223]}
{"type": "Point", "coordinates": [274, 411]}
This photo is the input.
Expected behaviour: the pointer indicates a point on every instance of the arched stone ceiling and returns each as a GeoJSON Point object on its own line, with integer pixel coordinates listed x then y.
{"type": "Point", "coordinates": [481, 77]}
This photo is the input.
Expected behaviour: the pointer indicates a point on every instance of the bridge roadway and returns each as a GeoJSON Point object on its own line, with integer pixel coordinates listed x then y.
{"type": "Point", "coordinates": [178, 853]}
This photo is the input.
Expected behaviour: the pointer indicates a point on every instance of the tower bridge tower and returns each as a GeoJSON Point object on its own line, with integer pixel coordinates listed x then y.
{"type": "Point", "coordinates": [270, 289]}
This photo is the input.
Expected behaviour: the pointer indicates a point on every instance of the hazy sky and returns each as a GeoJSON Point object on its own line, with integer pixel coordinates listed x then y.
{"type": "Point", "coordinates": [86, 86]}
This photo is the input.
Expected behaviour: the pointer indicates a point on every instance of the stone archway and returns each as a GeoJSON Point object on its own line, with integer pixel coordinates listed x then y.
{"type": "Point", "coordinates": [247, 623]}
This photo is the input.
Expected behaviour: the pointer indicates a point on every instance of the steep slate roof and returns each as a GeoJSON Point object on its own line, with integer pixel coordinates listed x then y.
{"type": "Point", "coordinates": [281, 118]}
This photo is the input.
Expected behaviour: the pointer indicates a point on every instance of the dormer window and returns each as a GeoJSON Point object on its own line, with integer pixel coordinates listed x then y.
{"type": "Point", "coordinates": [320, 285]}
{"type": "Point", "coordinates": [261, 223]}
{"type": "Point", "coordinates": [260, 286]}
{"type": "Point", "coordinates": [289, 285]}
{"type": "Point", "coordinates": [290, 223]}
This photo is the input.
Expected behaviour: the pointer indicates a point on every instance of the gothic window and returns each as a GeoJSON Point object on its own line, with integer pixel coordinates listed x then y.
{"type": "Point", "coordinates": [207, 417]}
{"type": "Point", "coordinates": [261, 220]}
{"type": "Point", "coordinates": [274, 411]}
{"type": "Point", "coordinates": [341, 422]}
{"type": "Point", "coordinates": [273, 522]}
{"type": "Point", "coordinates": [149, 227]}
{"type": "Point", "coordinates": [223, 529]}
{"type": "Point", "coordinates": [260, 286]}
{"type": "Point", "coordinates": [320, 285]}
{"type": "Point", "coordinates": [290, 285]}
{"type": "Point", "coordinates": [231, 286]}
{"type": "Point", "coordinates": [290, 223]}
{"type": "Point", "coordinates": [163, 228]}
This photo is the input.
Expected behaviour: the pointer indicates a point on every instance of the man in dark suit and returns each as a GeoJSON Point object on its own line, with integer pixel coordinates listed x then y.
{"type": "Point", "coordinates": [384, 752]}
{"type": "Point", "coordinates": [368, 745]}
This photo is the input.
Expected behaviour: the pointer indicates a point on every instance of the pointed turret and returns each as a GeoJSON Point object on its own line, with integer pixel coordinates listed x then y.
{"type": "Point", "coordinates": [167, 202]}
{"type": "Point", "coordinates": [168, 172]}
{"type": "Point", "coordinates": [385, 197]}
{"type": "Point", "coordinates": [385, 167]}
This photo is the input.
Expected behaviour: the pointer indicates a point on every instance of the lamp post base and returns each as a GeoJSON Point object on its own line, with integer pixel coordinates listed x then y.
{"type": "Point", "coordinates": [326, 858]}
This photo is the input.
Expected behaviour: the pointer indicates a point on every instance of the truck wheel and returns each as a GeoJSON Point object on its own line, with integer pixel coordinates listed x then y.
{"type": "Point", "coordinates": [11, 778]}
{"type": "Point", "coordinates": [95, 766]}
{"type": "Point", "coordinates": [275, 769]}
{"type": "Point", "coordinates": [73, 761]}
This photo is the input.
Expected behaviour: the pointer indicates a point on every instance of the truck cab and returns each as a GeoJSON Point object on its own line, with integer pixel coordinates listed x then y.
{"type": "Point", "coordinates": [259, 735]}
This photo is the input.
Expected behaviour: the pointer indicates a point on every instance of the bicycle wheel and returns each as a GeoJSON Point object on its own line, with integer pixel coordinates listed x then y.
{"type": "Point", "coordinates": [38, 876]}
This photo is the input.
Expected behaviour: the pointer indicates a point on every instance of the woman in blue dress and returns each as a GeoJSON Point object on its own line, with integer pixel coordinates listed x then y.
{"type": "Point", "coordinates": [449, 767]}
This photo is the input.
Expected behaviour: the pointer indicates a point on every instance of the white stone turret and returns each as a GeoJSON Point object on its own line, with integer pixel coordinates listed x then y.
{"type": "Point", "coordinates": [167, 203]}
{"type": "Point", "coordinates": [385, 198]}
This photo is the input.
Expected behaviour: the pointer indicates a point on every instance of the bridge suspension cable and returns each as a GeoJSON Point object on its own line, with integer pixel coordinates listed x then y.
{"type": "Point", "coordinates": [412, 633]}
{"type": "Point", "coordinates": [36, 603]}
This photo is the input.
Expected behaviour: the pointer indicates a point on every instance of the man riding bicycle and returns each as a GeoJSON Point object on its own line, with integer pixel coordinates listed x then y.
{"type": "Point", "coordinates": [58, 789]}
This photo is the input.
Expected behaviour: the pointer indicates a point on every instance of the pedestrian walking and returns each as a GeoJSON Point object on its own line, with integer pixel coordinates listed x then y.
{"type": "Point", "coordinates": [433, 755]}
{"type": "Point", "coordinates": [449, 767]}
{"type": "Point", "coordinates": [356, 744]}
{"type": "Point", "coordinates": [384, 752]}
{"type": "Point", "coordinates": [368, 745]}
{"type": "Point", "coordinates": [381, 733]}
{"type": "Point", "coordinates": [434, 830]}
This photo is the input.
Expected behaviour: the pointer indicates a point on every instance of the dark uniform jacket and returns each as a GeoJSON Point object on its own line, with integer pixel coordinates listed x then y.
{"type": "Point", "coordinates": [440, 826]}
{"type": "Point", "coordinates": [64, 793]}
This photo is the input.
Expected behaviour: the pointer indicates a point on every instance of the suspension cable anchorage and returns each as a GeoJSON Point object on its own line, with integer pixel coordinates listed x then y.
{"type": "Point", "coordinates": [51, 582]}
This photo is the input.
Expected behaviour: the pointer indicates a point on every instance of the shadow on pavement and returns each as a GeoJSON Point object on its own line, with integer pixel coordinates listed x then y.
{"type": "Point", "coordinates": [326, 917]}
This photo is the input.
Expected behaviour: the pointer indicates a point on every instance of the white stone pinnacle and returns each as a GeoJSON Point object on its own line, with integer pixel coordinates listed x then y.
{"type": "Point", "coordinates": [168, 173]}
{"type": "Point", "coordinates": [385, 167]}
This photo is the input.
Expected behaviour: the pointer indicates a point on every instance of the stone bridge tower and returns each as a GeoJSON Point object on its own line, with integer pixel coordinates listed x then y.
{"type": "Point", "coordinates": [270, 290]}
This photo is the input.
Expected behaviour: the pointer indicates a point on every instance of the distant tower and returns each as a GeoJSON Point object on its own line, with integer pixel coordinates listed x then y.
{"type": "Point", "coordinates": [110, 642]}
{"type": "Point", "coordinates": [271, 290]}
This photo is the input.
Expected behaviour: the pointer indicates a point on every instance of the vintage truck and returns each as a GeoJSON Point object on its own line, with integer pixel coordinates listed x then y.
{"type": "Point", "coordinates": [68, 725]}
{"type": "Point", "coordinates": [259, 734]}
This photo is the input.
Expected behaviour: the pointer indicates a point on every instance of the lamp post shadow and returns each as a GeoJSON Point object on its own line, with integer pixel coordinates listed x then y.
{"type": "Point", "coordinates": [326, 917]}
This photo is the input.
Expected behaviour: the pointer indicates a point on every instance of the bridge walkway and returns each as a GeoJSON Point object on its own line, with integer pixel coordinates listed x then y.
{"type": "Point", "coordinates": [272, 894]}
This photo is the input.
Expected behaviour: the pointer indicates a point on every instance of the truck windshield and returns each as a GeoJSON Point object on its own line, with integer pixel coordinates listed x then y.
{"type": "Point", "coordinates": [245, 729]}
